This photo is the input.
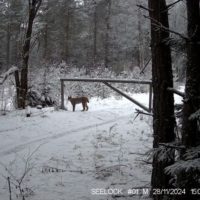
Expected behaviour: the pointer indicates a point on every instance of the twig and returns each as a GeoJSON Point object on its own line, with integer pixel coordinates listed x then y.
{"type": "Point", "coordinates": [142, 112]}
{"type": "Point", "coordinates": [142, 71]}
{"type": "Point", "coordinates": [144, 8]}
{"type": "Point", "coordinates": [136, 116]}
{"type": "Point", "coordinates": [173, 146]}
{"type": "Point", "coordinates": [18, 181]}
{"type": "Point", "coordinates": [145, 162]}
{"type": "Point", "coordinates": [171, 5]}
{"type": "Point", "coordinates": [161, 26]}
{"type": "Point", "coordinates": [10, 192]}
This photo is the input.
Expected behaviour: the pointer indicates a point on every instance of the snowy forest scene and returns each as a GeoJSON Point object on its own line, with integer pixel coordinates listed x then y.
{"type": "Point", "coordinates": [99, 99]}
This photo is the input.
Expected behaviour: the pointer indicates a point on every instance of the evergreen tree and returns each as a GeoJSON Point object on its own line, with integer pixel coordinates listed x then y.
{"type": "Point", "coordinates": [163, 101]}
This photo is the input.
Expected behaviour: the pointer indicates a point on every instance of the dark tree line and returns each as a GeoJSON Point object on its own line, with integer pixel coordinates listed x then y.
{"type": "Point", "coordinates": [76, 33]}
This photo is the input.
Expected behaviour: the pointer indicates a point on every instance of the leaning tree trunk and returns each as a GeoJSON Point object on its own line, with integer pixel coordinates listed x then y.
{"type": "Point", "coordinates": [163, 101]}
{"type": "Point", "coordinates": [33, 8]}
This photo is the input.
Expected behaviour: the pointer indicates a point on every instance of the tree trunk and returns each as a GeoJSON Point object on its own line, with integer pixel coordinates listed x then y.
{"type": "Point", "coordinates": [140, 42]}
{"type": "Point", "coordinates": [33, 8]}
{"type": "Point", "coordinates": [190, 129]}
{"type": "Point", "coordinates": [8, 46]}
{"type": "Point", "coordinates": [107, 34]}
{"type": "Point", "coordinates": [67, 26]}
{"type": "Point", "coordinates": [163, 101]}
{"type": "Point", "coordinates": [17, 83]}
{"type": "Point", "coordinates": [95, 35]}
{"type": "Point", "coordinates": [25, 59]}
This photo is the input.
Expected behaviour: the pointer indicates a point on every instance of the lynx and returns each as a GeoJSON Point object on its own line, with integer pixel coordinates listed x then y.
{"type": "Point", "coordinates": [77, 100]}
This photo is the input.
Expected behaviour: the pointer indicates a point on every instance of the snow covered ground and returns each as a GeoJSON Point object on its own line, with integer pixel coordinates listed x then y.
{"type": "Point", "coordinates": [65, 155]}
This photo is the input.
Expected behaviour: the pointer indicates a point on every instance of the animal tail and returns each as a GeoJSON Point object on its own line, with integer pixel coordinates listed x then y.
{"type": "Point", "coordinates": [87, 100]}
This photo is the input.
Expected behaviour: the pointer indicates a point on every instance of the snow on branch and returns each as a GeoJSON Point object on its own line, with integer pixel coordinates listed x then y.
{"type": "Point", "coordinates": [185, 166]}
{"type": "Point", "coordinates": [11, 71]}
{"type": "Point", "coordinates": [189, 163]}
{"type": "Point", "coordinates": [176, 91]}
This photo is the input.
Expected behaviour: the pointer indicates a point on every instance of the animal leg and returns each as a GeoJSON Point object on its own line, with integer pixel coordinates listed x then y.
{"type": "Point", "coordinates": [87, 107]}
{"type": "Point", "coordinates": [83, 106]}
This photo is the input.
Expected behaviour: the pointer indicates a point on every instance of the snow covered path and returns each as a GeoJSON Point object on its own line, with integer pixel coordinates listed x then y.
{"type": "Point", "coordinates": [76, 151]}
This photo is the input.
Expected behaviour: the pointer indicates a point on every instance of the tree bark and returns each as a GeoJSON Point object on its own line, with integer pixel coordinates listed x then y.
{"type": "Point", "coordinates": [163, 101]}
{"type": "Point", "coordinates": [33, 8]}
{"type": "Point", "coordinates": [107, 35]}
{"type": "Point", "coordinates": [17, 83]}
{"type": "Point", "coordinates": [8, 36]}
{"type": "Point", "coordinates": [67, 27]}
{"type": "Point", "coordinates": [95, 35]}
{"type": "Point", "coordinates": [190, 129]}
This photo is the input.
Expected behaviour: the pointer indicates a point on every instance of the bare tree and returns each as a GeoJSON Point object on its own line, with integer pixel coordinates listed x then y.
{"type": "Point", "coordinates": [22, 82]}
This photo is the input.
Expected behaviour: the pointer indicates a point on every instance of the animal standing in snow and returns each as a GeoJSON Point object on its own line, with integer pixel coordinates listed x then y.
{"type": "Point", "coordinates": [77, 100]}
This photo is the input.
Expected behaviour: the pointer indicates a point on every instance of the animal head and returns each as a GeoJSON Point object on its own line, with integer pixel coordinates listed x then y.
{"type": "Point", "coordinates": [69, 97]}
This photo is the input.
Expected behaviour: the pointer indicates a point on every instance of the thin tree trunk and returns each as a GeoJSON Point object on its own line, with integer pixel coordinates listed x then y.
{"type": "Point", "coordinates": [8, 46]}
{"type": "Point", "coordinates": [17, 83]}
{"type": "Point", "coordinates": [107, 35]}
{"type": "Point", "coordinates": [95, 35]}
{"type": "Point", "coordinates": [67, 22]}
{"type": "Point", "coordinates": [140, 42]}
{"type": "Point", "coordinates": [45, 53]}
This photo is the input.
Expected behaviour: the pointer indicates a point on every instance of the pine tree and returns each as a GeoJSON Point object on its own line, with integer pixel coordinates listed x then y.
{"type": "Point", "coordinates": [163, 101]}
{"type": "Point", "coordinates": [188, 176]}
